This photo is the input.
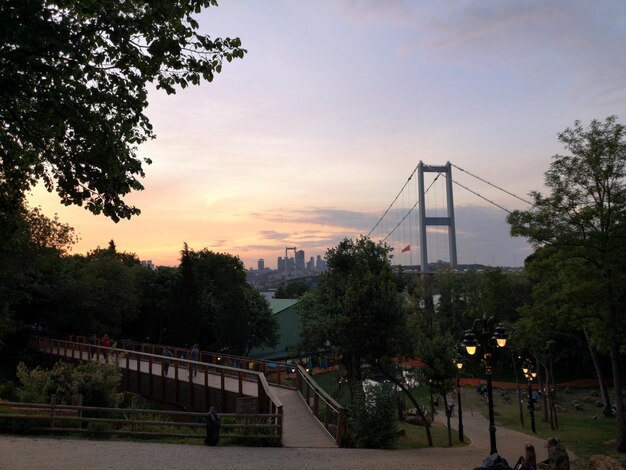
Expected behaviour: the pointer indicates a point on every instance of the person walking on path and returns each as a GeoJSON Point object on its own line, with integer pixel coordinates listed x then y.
{"type": "Point", "coordinates": [167, 361]}
{"type": "Point", "coordinates": [193, 356]}
{"type": "Point", "coordinates": [93, 341]}
{"type": "Point", "coordinates": [106, 342]}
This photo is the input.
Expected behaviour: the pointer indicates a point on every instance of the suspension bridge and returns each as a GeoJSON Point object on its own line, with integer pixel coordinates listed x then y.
{"type": "Point", "coordinates": [421, 218]}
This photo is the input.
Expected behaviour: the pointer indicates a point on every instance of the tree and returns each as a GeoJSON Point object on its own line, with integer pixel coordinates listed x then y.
{"type": "Point", "coordinates": [358, 312]}
{"type": "Point", "coordinates": [373, 417]}
{"type": "Point", "coordinates": [293, 290]}
{"type": "Point", "coordinates": [30, 263]}
{"type": "Point", "coordinates": [73, 90]}
{"type": "Point", "coordinates": [218, 308]}
{"type": "Point", "coordinates": [438, 354]}
{"type": "Point", "coordinates": [159, 307]}
{"type": "Point", "coordinates": [356, 307]}
{"type": "Point", "coordinates": [262, 327]}
{"type": "Point", "coordinates": [451, 308]}
{"type": "Point", "coordinates": [584, 220]}
{"type": "Point", "coordinates": [554, 306]}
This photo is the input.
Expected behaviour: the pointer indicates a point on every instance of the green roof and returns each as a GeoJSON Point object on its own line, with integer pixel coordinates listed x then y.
{"type": "Point", "coordinates": [278, 305]}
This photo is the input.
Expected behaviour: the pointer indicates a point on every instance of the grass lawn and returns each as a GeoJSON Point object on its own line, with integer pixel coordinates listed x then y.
{"type": "Point", "coordinates": [578, 431]}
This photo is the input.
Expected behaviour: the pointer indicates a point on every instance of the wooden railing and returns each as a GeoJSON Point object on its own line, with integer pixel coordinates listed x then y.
{"type": "Point", "coordinates": [145, 374]}
{"type": "Point", "coordinates": [277, 373]}
{"type": "Point", "coordinates": [322, 406]}
{"type": "Point", "coordinates": [325, 409]}
{"type": "Point", "coordinates": [330, 414]}
{"type": "Point", "coordinates": [133, 422]}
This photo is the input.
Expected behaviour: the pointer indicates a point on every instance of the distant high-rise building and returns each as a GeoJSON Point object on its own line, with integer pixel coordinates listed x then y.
{"type": "Point", "coordinates": [280, 264]}
{"type": "Point", "coordinates": [300, 260]}
{"type": "Point", "coordinates": [320, 264]}
{"type": "Point", "coordinates": [261, 264]}
{"type": "Point", "coordinates": [147, 263]}
{"type": "Point", "coordinates": [310, 265]}
{"type": "Point", "coordinates": [291, 265]}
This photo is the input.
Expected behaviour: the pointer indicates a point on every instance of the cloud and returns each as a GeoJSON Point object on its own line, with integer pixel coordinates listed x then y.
{"type": "Point", "coordinates": [534, 39]}
{"type": "Point", "coordinates": [346, 220]}
{"type": "Point", "coordinates": [272, 235]}
{"type": "Point", "coordinates": [367, 12]}
{"type": "Point", "coordinates": [483, 235]}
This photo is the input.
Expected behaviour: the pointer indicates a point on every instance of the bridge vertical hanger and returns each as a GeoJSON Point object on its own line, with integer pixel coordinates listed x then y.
{"type": "Point", "coordinates": [441, 221]}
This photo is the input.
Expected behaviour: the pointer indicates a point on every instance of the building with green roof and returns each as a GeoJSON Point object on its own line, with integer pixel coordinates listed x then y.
{"type": "Point", "coordinates": [288, 319]}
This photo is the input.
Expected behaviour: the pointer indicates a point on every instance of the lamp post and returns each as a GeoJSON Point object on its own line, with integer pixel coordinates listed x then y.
{"type": "Point", "coordinates": [491, 337]}
{"type": "Point", "coordinates": [459, 366]}
{"type": "Point", "coordinates": [530, 372]}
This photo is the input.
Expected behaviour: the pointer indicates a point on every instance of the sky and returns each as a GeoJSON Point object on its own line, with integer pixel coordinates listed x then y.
{"type": "Point", "coordinates": [308, 139]}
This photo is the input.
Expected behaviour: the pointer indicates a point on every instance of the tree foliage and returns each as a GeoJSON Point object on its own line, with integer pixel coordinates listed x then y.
{"type": "Point", "coordinates": [356, 307]}
{"type": "Point", "coordinates": [74, 76]}
{"type": "Point", "coordinates": [206, 300]}
{"type": "Point", "coordinates": [583, 224]}
{"type": "Point", "coordinates": [373, 419]}
{"type": "Point", "coordinates": [30, 261]}
{"type": "Point", "coordinates": [293, 290]}
{"type": "Point", "coordinates": [219, 309]}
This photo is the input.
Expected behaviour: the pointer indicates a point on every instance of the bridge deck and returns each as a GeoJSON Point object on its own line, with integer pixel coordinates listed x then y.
{"type": "Point", "coordinates": [300, 428]}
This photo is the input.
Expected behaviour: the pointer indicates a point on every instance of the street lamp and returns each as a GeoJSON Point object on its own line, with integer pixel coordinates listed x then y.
{"type": "Point", "coordinates": [530, 372]}
{"type": "Point", "coordinates": [459, 365]}
{"type": "Point", "coordinates": [491, 337]}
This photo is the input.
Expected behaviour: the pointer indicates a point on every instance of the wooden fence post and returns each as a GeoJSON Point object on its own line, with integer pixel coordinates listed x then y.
{"type": "Point", "coordinates": [133, 407]}
{"type": "Point", "coordinates": [223, 388]}
{"type": "Point", "coordinates": [177, 383]}
{"type": "Point", "coordinates": [151, 384]}
{"type": "Point", "coordinates": [127, 371]}
{"type": "Point", "coordinates": [190, 387]}
{"type": "Point", "coordinates": [138, 374]}
{"type": "Point", "coordinates": [207, 391]}
{"type": "Point", "coordinates": [77, 400]}
{"type": "Point", "coordinates": [53, 400]}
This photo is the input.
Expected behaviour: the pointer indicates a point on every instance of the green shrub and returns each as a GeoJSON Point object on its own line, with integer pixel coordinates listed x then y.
{"type": "Point", "coordinates": [97, 383]}
{"type": "Point", "coordinates": [373, 419]}
{"type": "Point", "coordinates": [34, 382]}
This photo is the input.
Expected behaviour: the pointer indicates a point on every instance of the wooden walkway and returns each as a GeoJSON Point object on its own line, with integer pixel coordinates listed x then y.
{"type": "Point", "coordinates": [300, 428]}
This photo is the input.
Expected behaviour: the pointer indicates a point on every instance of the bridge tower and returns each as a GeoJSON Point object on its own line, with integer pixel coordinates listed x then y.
{"type": "Point", "coordinates": [439, 221]}
{"type": "Point", "coordinates": [287, 250]}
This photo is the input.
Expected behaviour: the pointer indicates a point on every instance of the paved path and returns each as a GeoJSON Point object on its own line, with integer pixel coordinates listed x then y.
{"type": "Point", "coordinates": [511, 444]}
{"type": "Point", "coordinates": [300, 429]}
{"type": "Point", "coordinates": [66, 454]}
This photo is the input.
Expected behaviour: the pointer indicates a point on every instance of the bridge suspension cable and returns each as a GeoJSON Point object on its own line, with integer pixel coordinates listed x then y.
{"type": "Point", "coordinates": [392, 203]}
{"type": "Point", "coordinates": [393, 215]}
{"type": "Point", "coordinates": [490, 184]}
{"type": "Point", "coordinates": [410, 210]}
{"type": "Point", "coordinates": [482, 197]}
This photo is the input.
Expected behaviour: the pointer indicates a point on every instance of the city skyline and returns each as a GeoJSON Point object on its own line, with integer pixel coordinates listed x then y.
{"type": "Point", "coordinates": [309, 137]}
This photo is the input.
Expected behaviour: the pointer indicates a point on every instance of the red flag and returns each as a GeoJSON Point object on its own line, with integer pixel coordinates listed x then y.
{"type": "Point", "coordinates": [406, 248]}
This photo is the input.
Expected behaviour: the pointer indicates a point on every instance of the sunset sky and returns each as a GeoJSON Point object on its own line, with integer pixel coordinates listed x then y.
{"type": "Point", "coordinates": [309, 138]}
